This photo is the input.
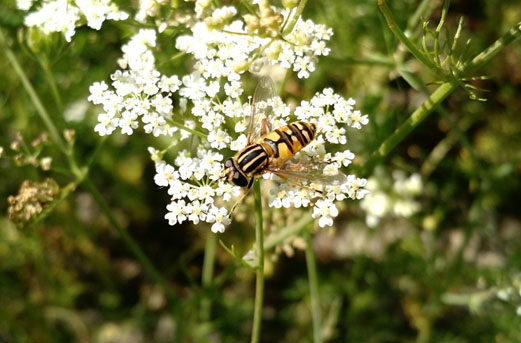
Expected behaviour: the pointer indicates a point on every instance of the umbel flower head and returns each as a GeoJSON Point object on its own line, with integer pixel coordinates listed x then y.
{"type": "Point", "coordinates": [64, 15]}
{"type": "Point", "coordinates": [213, 108]}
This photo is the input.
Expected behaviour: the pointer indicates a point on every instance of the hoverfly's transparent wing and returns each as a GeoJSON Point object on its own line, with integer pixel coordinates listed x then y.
{"type": "Point", "coordinates": [310, 171]}
{"type": "Point", "coordinates": [261, 109]}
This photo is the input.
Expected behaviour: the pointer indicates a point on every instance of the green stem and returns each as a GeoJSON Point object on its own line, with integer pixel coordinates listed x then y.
{"type": "Point", "coordinates": [402, 37]}
{"type": "Point", "coordinates": [130, 242]}
{"type": "Point", "coordinates": [313, 289]}
{"type": "Point", "coordinates": [443, 147]}
{"type": "Point", "coordinates": [32, 94]}
{"type": "Point", "coordinates": [52, 82]}
{"type": "Point", "coordinates": [366, 60]}
{"type": "Point", "coordinates": [412, 122]}
{"type": "Point", "coordinates": [440, 94]}
{"type": "Point", "coordinates": [259, 281]}
{"type": "Point", "coordinates": [279, 236]}
{"type": "Point", "coordinates": [291, 23]}
{"type": "Point", "coordinates": [420, 11]}
{"type": "Point", "coordinates": [208, 266]}
{"type": "Point", "coordinates": [173, 58]}
{"type": "Point", "coordinates": [182, 127]}
{"type": "Point", "coordinates": [249, 8]}
{"type": "Point", "coordinates": [486, 55]}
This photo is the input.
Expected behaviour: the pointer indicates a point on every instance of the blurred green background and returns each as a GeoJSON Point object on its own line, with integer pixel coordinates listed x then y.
{"type": "Point", "coordinates": [450, 273]}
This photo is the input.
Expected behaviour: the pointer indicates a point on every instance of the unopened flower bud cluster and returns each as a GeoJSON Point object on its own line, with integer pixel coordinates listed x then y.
{"type": "Point", "coordinates": [31, 200]}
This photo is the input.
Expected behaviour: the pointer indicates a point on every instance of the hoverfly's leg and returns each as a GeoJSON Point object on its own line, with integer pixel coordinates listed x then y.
{"type": "Point", "coordinates": [265, 127]}
{"type": "Point", "coordinates": [250, 183]}
{"type": "Point", "coordinates": [283, 177]}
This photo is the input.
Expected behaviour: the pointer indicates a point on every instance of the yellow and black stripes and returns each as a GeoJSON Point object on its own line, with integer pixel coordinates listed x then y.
{"type": "Point", "coordinates": [283, 143]}
{"type": "Point", "coordinates": [271, 150]}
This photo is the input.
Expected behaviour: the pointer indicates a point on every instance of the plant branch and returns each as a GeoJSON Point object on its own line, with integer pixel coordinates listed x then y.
{"type": "Point", "coordinates": [313, 289]}
{"type": "Point", "coordinates": [208, 266]}
{"type": "Point", "coordinates": [487, 54]}
{"type": "Point", "coordinates": [40, 109]}
{"type": "Point", "coordinates": [182, 127]}
{"type": "Point", "coordinates": [291, 23]}
{"type": "Point", "coordinates": [130, 242]}
{"type": "Point", "coordinates": [444, 90]}
{"type": "Point", "coordinates": [259, 251]}
{"type": "Point", "coordinates": [278, 237]}
{"type": "Point", "coordinates": [402, 37]}
{"type": "Point", "coordinates": [411, 123]}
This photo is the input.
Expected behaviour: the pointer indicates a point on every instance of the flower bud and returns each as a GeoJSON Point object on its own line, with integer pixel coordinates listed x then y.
{"type": "Point", "coordinates": [274, 50]}
{"type": "Point", "coordinates": [45, 163]}
{"type": "Point", "coordinates": [240, 67]}
{"type": "Point", "coordinates": [289, 4]}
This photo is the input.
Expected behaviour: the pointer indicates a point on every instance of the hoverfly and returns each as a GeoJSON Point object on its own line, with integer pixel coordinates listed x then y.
{"type": "Point", "coordinates": [271, 150]}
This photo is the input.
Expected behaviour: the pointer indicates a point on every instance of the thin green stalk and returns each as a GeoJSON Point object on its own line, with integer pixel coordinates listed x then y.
{"type": "Point", "coordinates": [412, 122]}
{"type": "Point", "coordinates": [446, 116]}
{"type": "Point", "coordinates": [441, 149]}
{"type": "Point", "coordinates": [130, 242]}
{"type": "Point", "coordinates": [32, 94]}
{"type": "Point", "coordinates": [487, 54]}
{"type": "Point", "coordinates": [290, 13]}
{"type": "Point", "coordinates": [402, 37]}
{"type": "Point", "coordinates": [279, 236]}
{"type": "Point", "coordinates": [52, 82]}
{"type": "Point", "coordinates": [417, 15]}
{"type": "Point", "coordinates": [366, 60]}
{"type": "Point", "coordinates": [182, 127]}
{"type": "Point", "coordinates": [64, 193]}
{"type": "Point", "coordinates": [249, 8]}
{"type": "Point", "coordinates": [208, 267]}
{"type": "Point", "coordinates": [173, 58]}
{"type": "Point", "coordinates": [259, 280]}
{"type": "Point", "coordinates": [291, 23]}
{"type": "Point", "coordinates": [313, 289]}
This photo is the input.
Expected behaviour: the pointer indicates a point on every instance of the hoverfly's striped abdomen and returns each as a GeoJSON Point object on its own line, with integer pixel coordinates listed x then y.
{"type": "Point", "coordinates": [283, 143]}
{"type": "Point", "coordinates": [274, 148]}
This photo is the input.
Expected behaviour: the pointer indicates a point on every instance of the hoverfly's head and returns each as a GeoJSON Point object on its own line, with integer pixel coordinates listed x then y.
{"type": "Point", "coordinates": [233, 174]}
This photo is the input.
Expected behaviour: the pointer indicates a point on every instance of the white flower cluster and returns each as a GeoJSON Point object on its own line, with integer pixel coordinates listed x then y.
{"type": "Point", "coordinates": [224, 53]}
{"type": "Point", "coordinates": [193, 186]}
{"type": "Point", "coordinates": [64, 15]}
{"type": "Point", "coordinates": [140, 91]}
{"type": "Point", "coordinates": [330, 112]}
{"type": "Point", "coordinates": [391, 197]}
{"type": "Point", "coordinates": [212, 95]}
